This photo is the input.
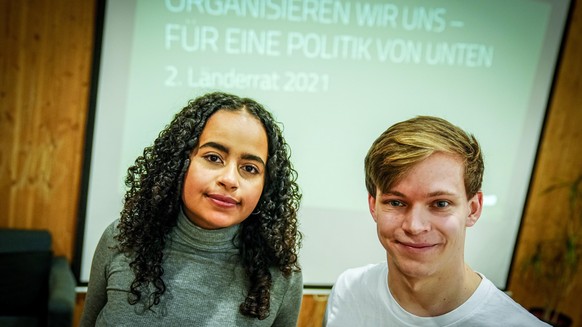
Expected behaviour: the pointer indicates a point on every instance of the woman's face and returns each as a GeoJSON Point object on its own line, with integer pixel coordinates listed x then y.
{"type": "Point", "coordinates": [227, 170]}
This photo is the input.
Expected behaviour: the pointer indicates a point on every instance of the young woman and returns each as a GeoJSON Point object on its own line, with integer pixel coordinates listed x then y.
{"type": "Point", "coordinates": [208, 232]}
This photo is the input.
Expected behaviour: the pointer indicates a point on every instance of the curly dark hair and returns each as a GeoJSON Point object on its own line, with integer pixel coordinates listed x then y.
{"type": "Point", "coordinates": [269, 238]}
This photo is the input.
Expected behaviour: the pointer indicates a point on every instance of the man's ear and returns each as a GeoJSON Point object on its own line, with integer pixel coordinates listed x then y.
{"type": "Point", "coordinates": [475, 207]}
{"type": "Point", "coordinates": [372, 206]}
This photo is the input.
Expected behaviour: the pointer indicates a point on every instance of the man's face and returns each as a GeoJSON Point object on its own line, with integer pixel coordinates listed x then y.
{"type": "Point", "coordinates": [421, 220]}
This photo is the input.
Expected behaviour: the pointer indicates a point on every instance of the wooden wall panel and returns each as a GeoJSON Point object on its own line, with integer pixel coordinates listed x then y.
{"type": "Point", "coordinates": [45, 56]}
{"type": "Point", "coordinates": [559, 159]}
{"type": "Point", "coordinates": [46, 51]}
{"type": "Point", "coordinates": [312, 310]}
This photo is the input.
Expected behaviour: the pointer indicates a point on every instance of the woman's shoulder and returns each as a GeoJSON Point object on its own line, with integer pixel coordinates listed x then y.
{"type": "Point", "coordinates": [108, 240]}
{"type": "Point", "coordinates": [282, 282]}
{"type": "Point", "coordinates": [294, 277]}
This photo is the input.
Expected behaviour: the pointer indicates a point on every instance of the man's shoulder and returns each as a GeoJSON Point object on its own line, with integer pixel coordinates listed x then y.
{"type": "Point", "coordinates": [368, 278]}
{"type": "Point", "coordinates": [358, 297]}
{"type": "Point", "coordinates": [362, 273]}
{"type": "Point", "coordinates": [492, 305]}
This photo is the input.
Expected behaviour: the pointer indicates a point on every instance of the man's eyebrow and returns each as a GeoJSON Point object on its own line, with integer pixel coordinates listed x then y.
{"type": "Point", "coordinates": [441, 193]}
{"type": "Point", "coordinates": [222, 148]}
{"type": "Point", "coordinates": [430, 194]}
{"type": "Point", "coordinates": [392, 193]}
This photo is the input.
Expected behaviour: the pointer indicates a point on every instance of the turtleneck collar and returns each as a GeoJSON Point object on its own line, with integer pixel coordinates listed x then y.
{"type": "Point", "coordinates": [204, 239]}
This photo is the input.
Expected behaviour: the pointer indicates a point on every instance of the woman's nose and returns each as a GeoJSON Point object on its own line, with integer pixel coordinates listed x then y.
{"type": "Point", "coordinates": [229, 176]}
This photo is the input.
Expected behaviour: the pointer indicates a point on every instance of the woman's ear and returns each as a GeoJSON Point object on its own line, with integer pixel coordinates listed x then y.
{"type": "Point", "coordinates": [475, 207]}
{"type": "Point", "coordinates": [186, 165]}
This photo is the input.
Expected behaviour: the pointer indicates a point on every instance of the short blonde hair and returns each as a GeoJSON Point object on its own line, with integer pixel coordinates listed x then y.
{"type": "Point", "coordinates": [406, 143]}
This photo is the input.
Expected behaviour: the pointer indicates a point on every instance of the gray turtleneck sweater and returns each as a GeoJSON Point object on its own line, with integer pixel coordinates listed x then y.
{"type": "Point", "coordinates": [205, 284]}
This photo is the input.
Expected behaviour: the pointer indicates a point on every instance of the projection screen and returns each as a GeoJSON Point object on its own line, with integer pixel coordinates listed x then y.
{"type": "Point", "coordinates": [335, 74]}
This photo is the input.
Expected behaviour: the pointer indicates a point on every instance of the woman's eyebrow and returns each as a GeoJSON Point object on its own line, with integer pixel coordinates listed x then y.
{"type": "Point", "coordinates": [252, 157]}
{"type": "Point", "coordinates": [222, 148]}
{"type": "Point", "coordinates": [216, 146]}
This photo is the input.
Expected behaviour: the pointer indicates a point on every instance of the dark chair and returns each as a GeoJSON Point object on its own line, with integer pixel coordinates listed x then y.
{"type": "Point", "coordinates": [36, 288]}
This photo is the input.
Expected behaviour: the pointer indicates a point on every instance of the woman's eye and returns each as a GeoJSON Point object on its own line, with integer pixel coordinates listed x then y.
{"type": "Point", "coordinates": [250, 169]}
{"type": "Point", "coordinates": [213, 158]}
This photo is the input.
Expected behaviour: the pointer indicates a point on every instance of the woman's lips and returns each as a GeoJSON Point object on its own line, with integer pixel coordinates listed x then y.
{"type": "Point", "coordinates": [223, 200]}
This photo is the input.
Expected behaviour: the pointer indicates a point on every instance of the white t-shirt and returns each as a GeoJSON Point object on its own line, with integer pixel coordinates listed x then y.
{"type": "Point", "coordinates": [361, 297]}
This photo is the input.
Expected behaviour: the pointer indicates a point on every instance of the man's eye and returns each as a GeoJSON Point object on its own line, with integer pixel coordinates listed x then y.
{"type": "Point", "coordinates": [441, 204]}
{"type": "Point", "coordinates": [395, 203]}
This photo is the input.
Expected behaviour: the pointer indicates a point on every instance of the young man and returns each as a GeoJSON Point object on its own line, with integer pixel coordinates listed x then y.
{"type": "Point", "coordinates": [424, 179]}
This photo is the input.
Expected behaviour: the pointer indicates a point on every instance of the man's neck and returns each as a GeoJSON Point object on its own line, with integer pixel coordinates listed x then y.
{"type": "Point", "coordinates": [435, 295]}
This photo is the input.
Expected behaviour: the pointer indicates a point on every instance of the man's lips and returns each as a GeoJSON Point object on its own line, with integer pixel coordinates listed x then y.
{"type": "Point", "coordinates": [417, 246]}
